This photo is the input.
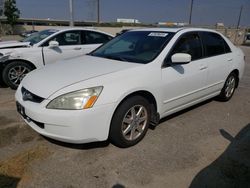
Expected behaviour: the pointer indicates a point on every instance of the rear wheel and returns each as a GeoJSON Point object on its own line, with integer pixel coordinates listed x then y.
{"type": "Point", "coordinates": [14, 72]}
{"type": "Point", "coordinates": [229, 87]}
{"type": "Point", "coordinates": [130, 122]}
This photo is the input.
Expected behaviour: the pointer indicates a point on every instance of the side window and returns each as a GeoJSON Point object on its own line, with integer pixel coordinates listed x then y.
{"type": "Point", "coordinates": [214, 44]}
{"type": "Point", "coordinates": [96, 38]}
{"type": "Point", "coordinates": [190, 44]}
{"type": "Point", "coordinates": [67, 38]}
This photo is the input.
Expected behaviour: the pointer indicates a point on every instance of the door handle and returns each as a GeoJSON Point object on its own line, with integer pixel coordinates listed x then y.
{"type": "Point", "coordinates": [77, 48]}
{"type": "Point", "coordinates": [203, 67]}
{"type": "Point", "coordinates": [230, 59]}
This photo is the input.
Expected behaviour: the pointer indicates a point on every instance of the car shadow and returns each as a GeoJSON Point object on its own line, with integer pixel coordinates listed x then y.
{"type": "Point", "coordinates": [87, 146]}
{"type": "Point", "coordinates": [232, 168]}
{"type": "Point", "coordinates": [8, 182]}
{"type": "Point", "coordinates": [2, 84]}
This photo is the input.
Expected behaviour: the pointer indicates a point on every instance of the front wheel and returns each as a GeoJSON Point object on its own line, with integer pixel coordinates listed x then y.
{"type": "Point", "coordinates": [130, 122]}
{"type": "Point", "coordinates": [229, 87]}
{"type": "Point", "coordinates": [14, 72]}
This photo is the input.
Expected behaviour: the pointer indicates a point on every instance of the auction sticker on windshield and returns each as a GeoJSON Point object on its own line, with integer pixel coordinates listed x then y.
{"type": "Point", "coordinates": [158, 34]}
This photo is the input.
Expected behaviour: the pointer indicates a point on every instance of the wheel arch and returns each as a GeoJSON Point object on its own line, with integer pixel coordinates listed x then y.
{"type": "Point", "coordinates": [20, 60]}
{"type": "Point", "coordinates": [149, 97]}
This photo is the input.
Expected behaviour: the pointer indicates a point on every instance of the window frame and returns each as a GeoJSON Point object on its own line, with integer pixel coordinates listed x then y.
{"type": "Point", "coordinates": [166, 63]}
{"type": "Point", "coordinates": [224, 44]}
{"type": "Point", "coordinates": [63, 32]}
{"type": "Point", "coordinates": [84, 35]}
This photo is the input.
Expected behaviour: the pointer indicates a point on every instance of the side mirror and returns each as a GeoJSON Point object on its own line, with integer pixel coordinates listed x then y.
{"type": "Point", "coordinates": [181, 58]}
{"type": "Point", "coordinates": [53, 44]}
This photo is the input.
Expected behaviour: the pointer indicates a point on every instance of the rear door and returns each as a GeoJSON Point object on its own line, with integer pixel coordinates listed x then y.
{"type": "Point", "coordinates": [219, 60]}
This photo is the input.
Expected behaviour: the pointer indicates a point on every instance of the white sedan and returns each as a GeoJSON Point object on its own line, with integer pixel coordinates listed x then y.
{"type": "Point", "coordinates": [130, 82]}
{"type": "Point", "coordinates": [45, 47]}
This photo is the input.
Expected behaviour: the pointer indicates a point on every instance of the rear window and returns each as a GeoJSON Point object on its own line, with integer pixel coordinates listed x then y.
{"type": "Point", "coordinates": [92, 37]}
{"type": "Point", "coordinates": [214, 44]}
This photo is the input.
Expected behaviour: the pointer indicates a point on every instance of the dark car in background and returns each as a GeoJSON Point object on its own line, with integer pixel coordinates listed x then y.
{"type": "Point", "coordinates": [28, 33]}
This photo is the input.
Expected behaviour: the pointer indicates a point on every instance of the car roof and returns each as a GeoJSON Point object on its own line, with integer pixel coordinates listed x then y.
{"type": "Point", "coordinates": [72, 28]}
{"type": "Point", "coordinates": [173, 29]}
{"type": "Point", "coordinates": [61, 29]}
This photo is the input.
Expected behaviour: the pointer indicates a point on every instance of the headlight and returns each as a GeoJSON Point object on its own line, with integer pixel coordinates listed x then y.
{"type": "Point", "coordinates": [77, 100]}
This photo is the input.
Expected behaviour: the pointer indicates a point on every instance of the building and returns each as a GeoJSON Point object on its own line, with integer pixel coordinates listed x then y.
{"type": "Point", "coordinates": [219, 25]}
{"type": "Point", "coordinates": [125, 20]}
{"type": "Point", "coordinates": [172, 24]}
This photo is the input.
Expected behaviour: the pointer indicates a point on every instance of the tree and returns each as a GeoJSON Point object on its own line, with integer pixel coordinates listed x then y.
{"type": "Point", "coordinates": [11, 12]}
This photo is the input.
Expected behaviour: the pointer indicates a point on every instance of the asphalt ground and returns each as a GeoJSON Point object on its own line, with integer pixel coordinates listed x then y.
{"type": "Point", "coordinates": [204, 146]}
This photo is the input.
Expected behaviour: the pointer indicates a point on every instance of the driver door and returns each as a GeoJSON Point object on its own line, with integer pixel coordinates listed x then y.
{"type": "Point", "coordinates": [184, 83]}
{"type": "Point", "coordinates": [70, 45]}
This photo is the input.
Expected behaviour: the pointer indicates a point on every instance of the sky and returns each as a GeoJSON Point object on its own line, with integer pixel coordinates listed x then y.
{"type": "Point", "coordinates": [205, 12]}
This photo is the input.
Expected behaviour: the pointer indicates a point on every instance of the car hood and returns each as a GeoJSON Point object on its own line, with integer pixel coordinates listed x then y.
{"type": "Point", "coordinates": [13, 44]}
{"type": "Point", "coordinates": [46, 81]}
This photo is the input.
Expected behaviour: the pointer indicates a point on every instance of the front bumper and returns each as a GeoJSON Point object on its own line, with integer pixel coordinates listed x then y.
{"type": "Point", "coordinates": [73, 126]}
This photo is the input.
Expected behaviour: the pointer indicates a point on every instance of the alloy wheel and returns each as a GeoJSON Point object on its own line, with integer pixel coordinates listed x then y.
{"type": "Point", "coordinates": [17, 73]}
{"type": "Point", "coordinates": [134, 122]}
{"type": "Point", "coordinates": [230, 86]}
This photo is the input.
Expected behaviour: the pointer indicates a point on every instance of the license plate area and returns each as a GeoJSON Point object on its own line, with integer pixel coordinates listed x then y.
{"type": "Point", "coordinates": [21, 110]}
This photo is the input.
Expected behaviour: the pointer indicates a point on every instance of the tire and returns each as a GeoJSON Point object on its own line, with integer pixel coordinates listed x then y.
{"type": "Point", "coordinates": [2, 83]}
{"type": "Point", "coordinates": [229, 87]}
{"type": "Point", "coordinates": [126, 130]}
{"type": "Point", "coordinates": [14, 72]}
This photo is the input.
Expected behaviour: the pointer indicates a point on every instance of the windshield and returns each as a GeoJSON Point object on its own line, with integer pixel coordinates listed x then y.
{"type": "Point", "coordinates": [135, 46]}
{"type": "Point", "coordinates": [39, 36]}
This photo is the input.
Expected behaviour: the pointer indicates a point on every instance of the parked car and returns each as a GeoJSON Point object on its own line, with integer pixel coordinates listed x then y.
{"type": "Point", "coordinates": [247, 37]}
{"type": "Point", "coordinates": [45, 47]}
{"type": "Point", "coordinates": [122, 31]}
{"type": "Point", "coordinates": [28, 33]}
{"type": "Point", "coordinates": [128, 83]}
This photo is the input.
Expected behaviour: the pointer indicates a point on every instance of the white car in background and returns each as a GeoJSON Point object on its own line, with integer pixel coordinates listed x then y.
{"type": "Point", "coordinates": [133, 80]}
{"type": "Point", "coordinates": [45, 47]}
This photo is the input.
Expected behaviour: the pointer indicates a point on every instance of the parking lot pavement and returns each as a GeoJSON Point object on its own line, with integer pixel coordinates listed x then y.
{"type": "Point", "coordinates": [205, 146]}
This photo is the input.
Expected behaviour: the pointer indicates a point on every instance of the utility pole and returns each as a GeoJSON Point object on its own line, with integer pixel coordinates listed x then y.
{"type": "Point", "coordinates": [71, 23]}
{"type": "Point", "coordinates": [98, 11]}
{"type": "Point", "coordinates": [190, 13]}
{"type": "Point", "coordinates": [238, 24]}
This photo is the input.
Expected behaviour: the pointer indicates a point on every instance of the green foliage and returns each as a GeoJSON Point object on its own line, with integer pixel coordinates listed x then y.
{"type": "Point", "coordinates": [11, 12]}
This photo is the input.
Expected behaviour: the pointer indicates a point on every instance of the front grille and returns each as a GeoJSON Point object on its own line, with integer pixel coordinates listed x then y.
{"type": "Point", "coordinates": [28, 96]}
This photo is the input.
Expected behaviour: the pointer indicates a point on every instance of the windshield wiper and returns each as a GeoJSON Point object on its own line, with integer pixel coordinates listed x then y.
{"type": "Point", "coordinates": [119, 58]}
